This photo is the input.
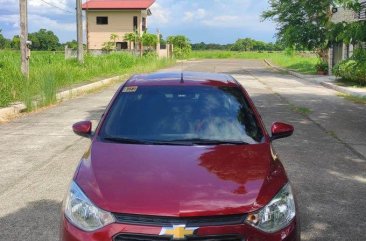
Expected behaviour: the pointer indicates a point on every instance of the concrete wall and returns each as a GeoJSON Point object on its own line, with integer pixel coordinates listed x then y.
{"type": "Point", "coordinates": [346, 14]}
{"type": "Point", "coordinates": [341, 51]}
{"type": "Point", "coordinates": [343, 15]}
{"type": "Point", "coordinates": [166, 52]}
{"type": "Point", "coordinates": [119, 22]}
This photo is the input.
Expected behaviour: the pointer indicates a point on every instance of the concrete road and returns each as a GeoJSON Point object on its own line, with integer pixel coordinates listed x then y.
{"type": "Point", "coordinates": [325, 159]}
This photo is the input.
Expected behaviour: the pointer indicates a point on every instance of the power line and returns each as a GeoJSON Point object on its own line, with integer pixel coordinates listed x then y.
{"type": "Point", "coordinates": [52, 5]}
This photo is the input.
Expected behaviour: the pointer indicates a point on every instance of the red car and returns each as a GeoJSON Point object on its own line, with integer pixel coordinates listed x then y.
{"type": "Point", "coordinates": [180, 156]}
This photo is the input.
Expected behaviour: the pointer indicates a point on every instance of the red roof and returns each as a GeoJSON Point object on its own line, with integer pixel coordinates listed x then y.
{"type": "Point", "coordinates": [118, 4]}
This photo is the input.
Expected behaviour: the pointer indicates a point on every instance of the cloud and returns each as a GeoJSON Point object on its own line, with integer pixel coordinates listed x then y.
{"type": "Point", "coordinates": [59, 19]}
{"type": "Point", "coordinates": [201, 20]}
{"type": "Point", "coordinates": [190, 16]}
{"type": "Point", "coordinates": [40, 7]}
{"type": "Point", "coordinates": [48, 23]}
{"type": "Point", "coordinates": [223, 21]}
{"type": "Point", "coordinates": [38, 22]}
{"type": "Point", "coordinates": [51, 6]}
{"type": "Point", "coordinates": [160, 15]}
{"type": "Point", "coordinates": [11, 20]}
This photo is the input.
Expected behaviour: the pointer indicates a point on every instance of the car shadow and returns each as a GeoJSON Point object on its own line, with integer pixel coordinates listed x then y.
{"type": "Point", "coordinates": [37, 221]}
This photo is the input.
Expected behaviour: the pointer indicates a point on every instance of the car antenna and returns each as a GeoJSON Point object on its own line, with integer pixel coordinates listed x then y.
{"type": "Point", "coordinates": [182, 78]}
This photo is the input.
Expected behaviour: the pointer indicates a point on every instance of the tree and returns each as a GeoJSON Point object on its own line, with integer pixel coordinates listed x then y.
{"type": "Point", "coordinates": [132, 38]}
{"type": "Point", "coordinates": [162, 40]}
{"type": "Point", "coordinates": [149, 40]}
{"type": "Point", "coordinates": [44, 40]}
{"type": "Point", "coordinates": [72, 44]}
{"type": "Point", "coordinates": [210, 46]}
{"type": "Point", "coordinates": [15, 42]}
{"type": "Point", "coordinates": [114, 38]}
{"type": "Point", "coordinates": [349, 32]}
{"type": "Point", "coordinates": [246, 44]}
{"type": "Point", "coordinates": [305, 24]}
{"type": "Point", "coordinates": [4, 42]}
{"type": "Point", "coordinates": [182, 46]}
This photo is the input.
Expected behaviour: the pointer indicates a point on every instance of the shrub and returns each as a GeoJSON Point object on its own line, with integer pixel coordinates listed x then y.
{"type": "Point", "coordinates": [353, 69]}
{"type": "Point", "coordinates": [182, 46]}
{"type": "Point", "coordinates": [322, 66]}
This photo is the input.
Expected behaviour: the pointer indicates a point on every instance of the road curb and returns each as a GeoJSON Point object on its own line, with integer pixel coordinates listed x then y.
{"type": "Point", "coordinates": [343, 90]}
{"type": "Point", "coordinates": [298, 75]}
{"type": "Point", "coordinates": [327, 84]}
{"type": "Point", "coordinates": [16, 109]}
{"type": "Point", "coordinates": [72, 93]}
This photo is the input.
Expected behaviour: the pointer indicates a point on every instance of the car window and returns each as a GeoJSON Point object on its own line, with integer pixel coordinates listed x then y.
{"type": "Point", "coordinates": [178, 114]}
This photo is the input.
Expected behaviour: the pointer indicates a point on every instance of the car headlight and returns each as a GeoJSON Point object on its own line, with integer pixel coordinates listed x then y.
{"type": "Point", "coordinates": [81, 212]}
{"type": "Point", "coordinates": [277, 214]}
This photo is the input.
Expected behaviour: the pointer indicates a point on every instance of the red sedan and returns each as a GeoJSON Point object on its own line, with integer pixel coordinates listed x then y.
{"type": "Point", "coordinates": [180, 156]}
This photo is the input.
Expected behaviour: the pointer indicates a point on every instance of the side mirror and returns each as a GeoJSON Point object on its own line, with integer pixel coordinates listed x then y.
{"type": "Point", "coordinates": [281, 130]}
{"type": "Point", "coordinates": [83, 128]}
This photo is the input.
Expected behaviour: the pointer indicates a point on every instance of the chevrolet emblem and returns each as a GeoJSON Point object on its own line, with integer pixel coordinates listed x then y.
{"type": "Point", "coordinates": [179, 232]}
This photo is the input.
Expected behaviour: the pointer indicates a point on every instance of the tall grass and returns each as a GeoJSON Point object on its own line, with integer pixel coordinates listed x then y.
{"type": "Point", "coordinates": [50, 72]}
{"type": "Point", "coordinates": [301, 62]}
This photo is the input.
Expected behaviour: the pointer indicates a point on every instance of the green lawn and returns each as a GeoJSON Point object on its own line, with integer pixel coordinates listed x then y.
{"type": "Point", "coordinates": [50, 72]}
{"type": "Point", "coordinates": [303, 63]}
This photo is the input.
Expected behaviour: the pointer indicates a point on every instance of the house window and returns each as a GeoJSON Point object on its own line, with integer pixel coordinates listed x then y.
{"type": "Point", "coordinates": [144, 24]}
{"type": "Point", "coordinates": [102, 20]}
{"type": "Point", "coordinates": [135, 23]}
{"type": "Point", "coordinates": [121, 45]}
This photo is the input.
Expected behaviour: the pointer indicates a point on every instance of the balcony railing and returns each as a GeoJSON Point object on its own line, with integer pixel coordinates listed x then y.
{"type": "Point", "coordinates": [362, 14]}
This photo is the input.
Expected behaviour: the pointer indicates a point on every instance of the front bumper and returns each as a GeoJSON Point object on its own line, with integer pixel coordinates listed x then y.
{"type": "Point", "coordinates": [246, 232]}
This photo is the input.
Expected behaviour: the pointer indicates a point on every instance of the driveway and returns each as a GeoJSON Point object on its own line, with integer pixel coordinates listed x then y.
{"type": "Point", "coordinates": [325, 158]}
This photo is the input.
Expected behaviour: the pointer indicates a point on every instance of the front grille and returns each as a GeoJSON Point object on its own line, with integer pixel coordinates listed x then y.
{"type": "Point", "coordinates": [138, 237]}
{"type": "Point", "coordinates": [160, 221]}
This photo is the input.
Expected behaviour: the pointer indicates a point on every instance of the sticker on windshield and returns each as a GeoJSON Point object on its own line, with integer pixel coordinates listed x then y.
{"type": "Point", "coordinates": [130, 89]}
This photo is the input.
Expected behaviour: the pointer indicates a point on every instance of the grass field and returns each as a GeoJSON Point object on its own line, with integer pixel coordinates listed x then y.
{"type": "Point", "coordinates": [50, 72]}
{"type": "Point", "coordinates": [303, 63]}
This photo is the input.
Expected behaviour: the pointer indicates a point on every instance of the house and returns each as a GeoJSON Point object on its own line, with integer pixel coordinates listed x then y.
{"type": "Point", "coordinates": [107, 17]}
{"type": "Point", "coordinates": [341, 51]}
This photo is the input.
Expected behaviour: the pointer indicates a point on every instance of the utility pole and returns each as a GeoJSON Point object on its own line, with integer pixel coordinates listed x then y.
{"type": "Point", "coordinates": [24, 50]}
{"type": "Point", "coordinates": [79, 22]}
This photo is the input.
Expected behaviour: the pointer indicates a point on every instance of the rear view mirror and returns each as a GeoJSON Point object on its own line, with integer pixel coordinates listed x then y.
{"type": "Point", "coordinates": [83, 128]}
{"type": "Point", "coordinates": [281, 130]}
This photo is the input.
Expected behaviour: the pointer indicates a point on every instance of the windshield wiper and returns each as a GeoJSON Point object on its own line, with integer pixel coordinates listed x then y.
{"type": "Point", "coordinates": [144, 142]}
{"type": "Point", "coordinates": [125, 140]}
{"type": "Point", "coordinates": [200, 141]}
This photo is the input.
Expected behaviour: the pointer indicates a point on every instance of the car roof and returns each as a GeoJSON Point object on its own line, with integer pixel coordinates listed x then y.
{"type": "Point", "coordinates": [182, 78]}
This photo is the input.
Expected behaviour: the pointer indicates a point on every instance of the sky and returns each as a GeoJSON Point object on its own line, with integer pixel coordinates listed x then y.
{"type": "Point", "coordinates": [210, 21]}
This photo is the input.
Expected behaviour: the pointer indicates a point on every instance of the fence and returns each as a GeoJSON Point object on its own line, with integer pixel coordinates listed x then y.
{"type": "Point", "coordinates": [165, 51]}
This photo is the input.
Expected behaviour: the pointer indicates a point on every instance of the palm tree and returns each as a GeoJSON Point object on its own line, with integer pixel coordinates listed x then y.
{"type": "Point", "coordinates": [114, 38]}
{"type": "Point", "coordinates": [130, 37]}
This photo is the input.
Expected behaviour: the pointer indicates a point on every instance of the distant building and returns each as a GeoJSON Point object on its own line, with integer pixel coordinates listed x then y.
{"type": "Point", "coordinates": [341, 51]}
{"type": "Point", "coordinates": [104, 18]}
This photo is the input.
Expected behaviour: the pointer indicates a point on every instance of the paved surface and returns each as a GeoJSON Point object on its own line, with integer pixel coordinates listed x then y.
{"type": "Point", "coordinates": [325, 159]}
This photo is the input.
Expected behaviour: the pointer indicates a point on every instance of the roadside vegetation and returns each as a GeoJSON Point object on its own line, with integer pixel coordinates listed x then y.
{"type": "Point", "coordinates": [50, 72]}
{"type": "Point", "coordinates": [308, 25]}
{"type": "Point", "coordinates": [353, 71]}
{"type": "Point", "coordinates": [354, 99]}
{"type": "Point", "coordinates": [303, 62]}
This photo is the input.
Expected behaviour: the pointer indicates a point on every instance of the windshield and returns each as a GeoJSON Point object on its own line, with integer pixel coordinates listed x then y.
{"type": "Point", "coordinates": [181, 115]}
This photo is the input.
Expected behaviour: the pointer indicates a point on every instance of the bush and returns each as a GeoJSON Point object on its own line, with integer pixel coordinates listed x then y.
{"type": "Point", "coordinates": [322, 66]}
{"type": "Point", "coordinates": [353, 69]}
{"type": "Point", "coordinates": [182, 46]}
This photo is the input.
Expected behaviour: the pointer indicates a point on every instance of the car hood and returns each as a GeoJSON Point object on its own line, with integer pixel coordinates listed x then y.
{"type": "Point", "coordinates": [179, 180]}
